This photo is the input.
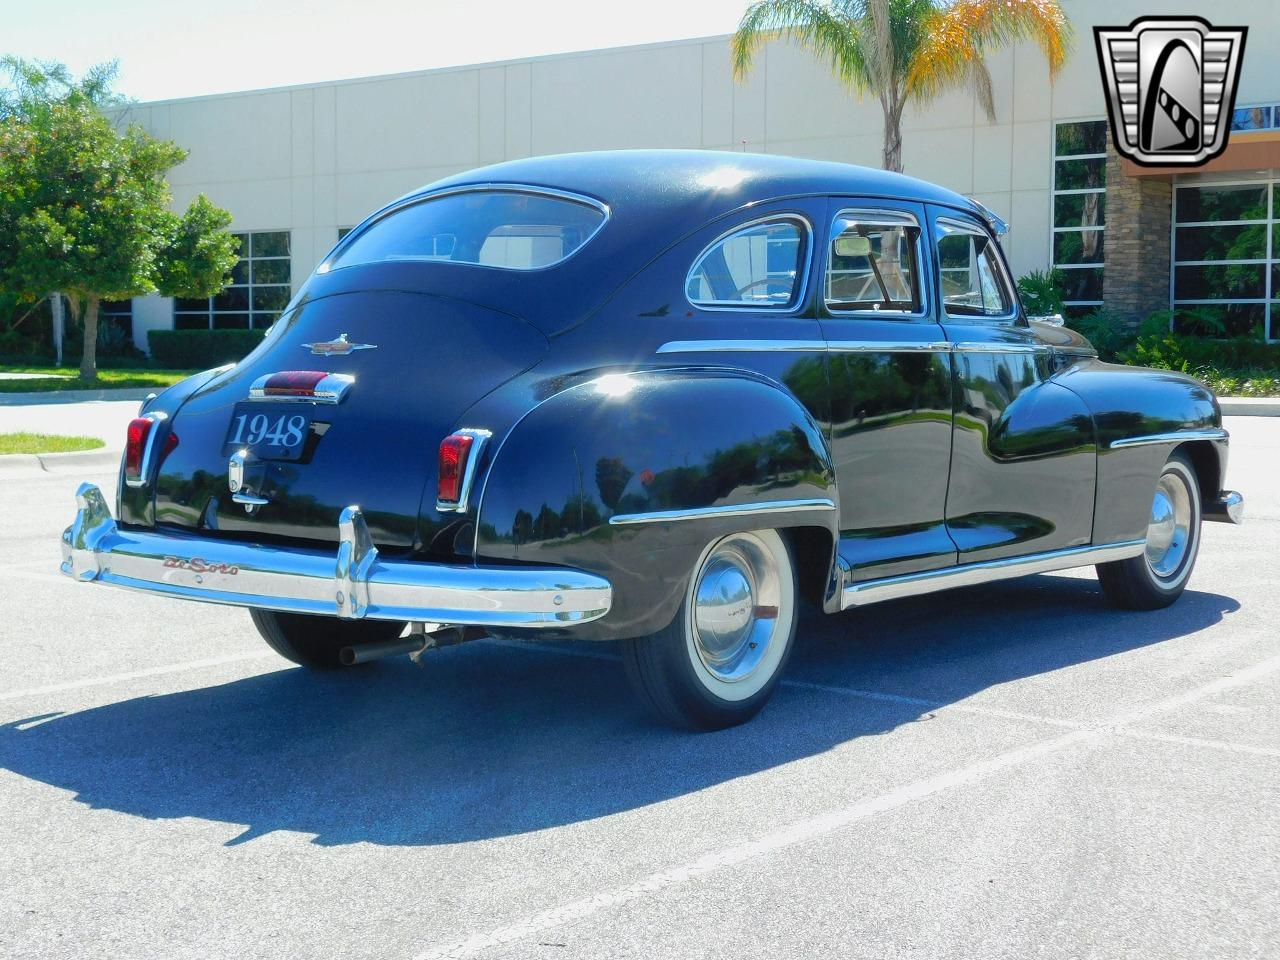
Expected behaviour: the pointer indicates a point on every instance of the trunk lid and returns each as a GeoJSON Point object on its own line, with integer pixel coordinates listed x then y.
{"type": "Point", "coordinates": [427, 359]}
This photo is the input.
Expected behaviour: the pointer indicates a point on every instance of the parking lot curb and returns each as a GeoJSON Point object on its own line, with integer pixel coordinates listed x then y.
{"type": "Point", "coordinates": [1250, 406]}
{"type": "Point", "coordinates": [75, 396]}
{"type": "Point", "coordinates": [23, 465]}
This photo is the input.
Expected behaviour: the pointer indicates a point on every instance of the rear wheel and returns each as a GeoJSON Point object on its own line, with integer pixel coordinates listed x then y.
{"type": "Point", "coordinates": [314, 642]}
{"type": "Point", "coordinates": [1157, 577]}
{"type": "Point", "coordinates": [717, 663]}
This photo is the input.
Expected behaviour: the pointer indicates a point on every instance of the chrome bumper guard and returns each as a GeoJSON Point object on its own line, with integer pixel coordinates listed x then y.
{"type": "Point", "coordinates": [354, 583]}
{"type": "Point", "coordinates": [1228, 507]}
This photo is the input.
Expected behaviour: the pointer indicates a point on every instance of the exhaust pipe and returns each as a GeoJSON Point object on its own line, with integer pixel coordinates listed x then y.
{"type": "Point", "coordinates": [417, 642]}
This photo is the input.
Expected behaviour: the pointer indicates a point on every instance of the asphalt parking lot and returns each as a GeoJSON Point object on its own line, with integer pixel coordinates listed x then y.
{"type": "Point", "coordinates": [1010, 771]}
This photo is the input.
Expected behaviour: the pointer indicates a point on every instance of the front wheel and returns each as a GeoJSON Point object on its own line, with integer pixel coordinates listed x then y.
{"type": "Point", "coordinates": [718, 661]}
{"type": "Point", "coordinates": [315, 642]}
{"type": "Point", "coordinates": [1156, 577]}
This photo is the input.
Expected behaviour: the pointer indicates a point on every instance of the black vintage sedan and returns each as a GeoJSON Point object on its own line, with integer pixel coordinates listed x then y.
{"type": "Point", "coordinates": [661, 398]}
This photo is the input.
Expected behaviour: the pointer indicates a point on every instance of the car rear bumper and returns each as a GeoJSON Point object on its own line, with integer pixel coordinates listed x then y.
{"type": "Point", "coordinates": [353, 583]}
{"type": "Point", "coordinates": [1227, 507]}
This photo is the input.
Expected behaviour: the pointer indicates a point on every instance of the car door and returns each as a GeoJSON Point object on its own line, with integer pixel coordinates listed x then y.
{"type": "Point", "coordinates": [1023, 458]}
{"type": "Point", "coordinates": [891, 403]}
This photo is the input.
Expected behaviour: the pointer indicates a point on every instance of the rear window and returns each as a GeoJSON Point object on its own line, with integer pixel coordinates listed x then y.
{"type": "Point", "coordinates": [509, 229]}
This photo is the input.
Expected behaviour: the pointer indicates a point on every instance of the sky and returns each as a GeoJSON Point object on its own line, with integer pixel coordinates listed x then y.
{"type": "Point", "coordinates": [177, 48]}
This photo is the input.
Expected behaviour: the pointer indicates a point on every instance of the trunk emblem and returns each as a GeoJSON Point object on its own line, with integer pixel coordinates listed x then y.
{"type": "Point", "coordinates": [338, 348]}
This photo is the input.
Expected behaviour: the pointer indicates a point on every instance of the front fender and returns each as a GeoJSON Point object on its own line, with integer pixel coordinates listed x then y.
{"type": "Point", "coordinates": [631, 475]}
{"type": "Point", "coordinates": [1135, 403]}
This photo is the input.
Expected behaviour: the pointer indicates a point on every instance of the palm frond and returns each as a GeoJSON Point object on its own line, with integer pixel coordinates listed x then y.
{"type": "Point", "coordinates": [957, 37]}
{"type": "Point", "coordinates": [830, 29]}
{"type": "Point", "coordinates": [983, 88]}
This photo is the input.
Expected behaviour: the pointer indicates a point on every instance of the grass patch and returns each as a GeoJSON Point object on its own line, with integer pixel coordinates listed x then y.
{"type": "Point", "coordinates": [67, 378]}
{"type": "Point", "coordinates": [46, 443]}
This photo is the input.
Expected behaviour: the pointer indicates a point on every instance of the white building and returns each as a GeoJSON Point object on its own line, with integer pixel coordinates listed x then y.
{"type": "Point", "coordinates": [297, 165]}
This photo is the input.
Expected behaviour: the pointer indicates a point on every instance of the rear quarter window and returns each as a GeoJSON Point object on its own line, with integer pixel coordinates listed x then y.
{"type": "Point", "coordinates": [506, 229]}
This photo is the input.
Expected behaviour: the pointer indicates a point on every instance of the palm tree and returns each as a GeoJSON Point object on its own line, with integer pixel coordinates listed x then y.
{"type": "Point", "coordinates": [905, 50]}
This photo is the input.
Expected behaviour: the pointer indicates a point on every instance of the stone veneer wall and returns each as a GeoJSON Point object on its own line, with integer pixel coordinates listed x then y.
{"type": "Point", "coordinates": [1135, 282]}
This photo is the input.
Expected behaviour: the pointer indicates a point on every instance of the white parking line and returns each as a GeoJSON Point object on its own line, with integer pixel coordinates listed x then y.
{"type": "Point", "coordinates": [135, 675]}
{"type": "Point", "coordinates": [820, 825]}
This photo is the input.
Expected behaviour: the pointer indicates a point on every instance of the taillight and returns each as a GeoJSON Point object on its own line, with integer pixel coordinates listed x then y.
{"type": "Point", "coordinates": [139, 439]}
{"type": "Point", "coordinates": [135, 447]}
{"type": "Point", "coordinates": [459, 455]}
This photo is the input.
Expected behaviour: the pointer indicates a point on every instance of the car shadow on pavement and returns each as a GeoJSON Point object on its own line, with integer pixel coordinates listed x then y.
{"type": "Point", "coordinates": [490, 740]}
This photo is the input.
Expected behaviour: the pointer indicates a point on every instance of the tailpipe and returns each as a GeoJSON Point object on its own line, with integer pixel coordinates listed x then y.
{"type": "Point", "coordinates": [420, 638]}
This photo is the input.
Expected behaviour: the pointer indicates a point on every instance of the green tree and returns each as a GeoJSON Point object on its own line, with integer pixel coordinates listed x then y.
{"type": "Point", "coordinates": [905, 51]}
{"type": "Point", "coordinates": [84, 206]}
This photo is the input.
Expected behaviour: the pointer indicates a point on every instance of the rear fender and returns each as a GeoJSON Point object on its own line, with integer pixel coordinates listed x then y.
{"type": "Point", "coordinates": [631, 475]}
{"type": "Point", "coordinates": [1132, 405]}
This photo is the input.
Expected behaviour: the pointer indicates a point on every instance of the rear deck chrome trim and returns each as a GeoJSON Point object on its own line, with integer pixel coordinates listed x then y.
{"type": "Point", "coordinates": [1173, 436]}
{"type": "Point", "coordinates": [330, 389]}
{"type": "Point", "coordinates": [733, 510]}
{"type": "Point", "coordinates": [971, 574]}
{"type": "Point", "coordinates": [353, 582]}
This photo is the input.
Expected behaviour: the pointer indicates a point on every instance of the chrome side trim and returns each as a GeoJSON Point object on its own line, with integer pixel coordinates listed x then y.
{"type": "Point", "coordinates": [801, 291]}
{"type": "Point", "coordinates": [888, 346]}
{"type": "Point", "coordinates": [981, 346]}
{"type": "Point", "coordinates": [732, 510]}
{"type": "Point", "coordinates": [742, 346]}
{"type": "Point", "coordinates": [478, 440]}
{"type": "Point", "coordinates": [355, 582]}
{"type": "Point", "coordinates": [970, 574]}
{"type": "Point", "coordinates": [144, 469]}
{"type": "Point", "coordinates": [1174, 436]}
{"type": "Point", "coordinates": [329, 390]}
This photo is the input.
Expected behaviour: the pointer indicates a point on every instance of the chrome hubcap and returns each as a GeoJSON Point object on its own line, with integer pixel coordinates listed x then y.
{"type": "Point", "coordinates": [1169, 530]}
{"type": "Point", "coordinates": [735, 608]}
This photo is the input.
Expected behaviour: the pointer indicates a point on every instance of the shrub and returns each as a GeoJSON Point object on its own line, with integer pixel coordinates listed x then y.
{"type": "Point", "coordinates": [1041, 292]}
{"type": "Point", "coordinates": [1110, 334]}
{"type": "Point", "coordinates": [192, 349]}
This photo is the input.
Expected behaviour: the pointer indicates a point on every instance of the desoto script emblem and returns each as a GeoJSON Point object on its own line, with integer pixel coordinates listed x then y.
{"type": "Point", "coordinates": [1171, 88]}
{"type": "Point", "coordinates": [197, 565]}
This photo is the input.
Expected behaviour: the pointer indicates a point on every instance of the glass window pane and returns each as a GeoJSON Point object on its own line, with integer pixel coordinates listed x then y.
{"type": "Point", "coordinates": [499, 228]}
{"type": "Point", "coordinates": [191, 321]}
{"type": "Point", "coordinates": [1248, 242]}
{"type": "Point", "coordinates": [242, 244]}
{"type": "Point", "coordinates": [274, 244]}
{"type": "Point", "coordinates": [1082, 284]}
{"type": "Point", "coordinates": [1079, 210]}
{"type": "Point", "coordinates": [1087, 137]}
{"type": "Point", "coordinates": [1078, 174]}
{"type": "Point", "coordinates": [272, 271]}
{"type": "Point", "coordinates": [972, 284]}
{"type": "Point", "coordinates": [1251, 118]}
{"type": "Point", "coordinates": [193, 305]}
{"type": "Point", "coordinates": [270, 298]}
{"type": "Point", "coordinates": [231, 321]}
{"type": "Point", "coordinates": [742, 269]}
{"type": "Point", "coordinates": [232, 298]}
{"type": "Point", "coordinates": [1211, 204]}
{"type": "Point", "coordinates": [1236, 281]}
{"type": "Point", "coordinates": [1078, 246]}
{"type": "Point", "coordinates": [873, 267]}
{"type": "Point", "coordinates": [240, 272]}
{"type": "Point", "coordinates": [1220, 320]}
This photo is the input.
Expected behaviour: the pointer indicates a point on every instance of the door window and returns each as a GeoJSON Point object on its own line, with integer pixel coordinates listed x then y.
{"type": "Point", "coordinates": [759, 265]}
{"type": "Point", "coordinates": [973, 282]}
{"type": "Point", "coordinates": [873, 264]}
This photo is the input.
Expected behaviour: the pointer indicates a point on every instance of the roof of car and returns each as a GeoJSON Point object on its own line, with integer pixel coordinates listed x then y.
{"type": "Point", "coordinates": [619, 177]}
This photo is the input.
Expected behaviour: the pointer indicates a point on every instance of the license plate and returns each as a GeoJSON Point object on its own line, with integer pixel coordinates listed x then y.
{"type": "Point", "coordinates": [274, 431]}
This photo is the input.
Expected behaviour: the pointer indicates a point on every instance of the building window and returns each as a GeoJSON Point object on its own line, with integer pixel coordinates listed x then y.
{"type": "Point", "coordinates": [1079, 211]}
{"type": "Point", "coordinates": [117, 313]}
{"type": "Point", "coordinates": [1265, 117]}
{"type": "Point", "coordinates": [1226, 268]}
{"type": "Point", "coordinates": [260, 288]}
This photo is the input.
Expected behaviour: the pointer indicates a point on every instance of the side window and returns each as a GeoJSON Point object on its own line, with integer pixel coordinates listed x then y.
{"type": "Point", "coordinates": [758, 265]}
{"type": "Point", "coordinates": [874, 263]}
{"type": "Point", "coordinates": [973, 284]}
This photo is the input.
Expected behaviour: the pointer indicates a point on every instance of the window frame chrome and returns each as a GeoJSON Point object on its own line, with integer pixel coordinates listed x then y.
{"type": "Point", "coordinates": [327, 266]}
{"type": "Point", "coordinates": [800, 294]}
{"type": "Point", "coordinates": [974, 228]}
{"type": "Point", "coordinates": [885, 217]}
